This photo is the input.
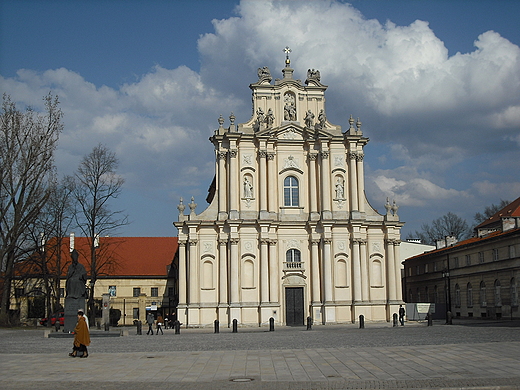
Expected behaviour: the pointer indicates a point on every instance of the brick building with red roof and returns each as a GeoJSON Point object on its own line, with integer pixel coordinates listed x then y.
{"type": "Point", "coordinates": [139, 274]}
{"type": "Point", "coordinates": [477, 277]}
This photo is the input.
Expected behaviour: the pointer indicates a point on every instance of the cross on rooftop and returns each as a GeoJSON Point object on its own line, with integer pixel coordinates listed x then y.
{"type": "Point", "coordinates": [287, 60]}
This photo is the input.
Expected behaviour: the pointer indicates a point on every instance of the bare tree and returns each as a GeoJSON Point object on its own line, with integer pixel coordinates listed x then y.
{"type": "Point", "coordinates": [27, 145]}
{"type": "Point", "coordinates": [448, 224]}
{"type": "Point", "coordinates": [48, 235]}
{"type": "Point", "coordinates": [97, 183]}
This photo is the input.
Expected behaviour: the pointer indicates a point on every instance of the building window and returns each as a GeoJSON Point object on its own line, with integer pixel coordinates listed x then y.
{"type": "Point", "coordinates": [135, 313]}
{"type": "Point", "coordinates": [155, 292]}
{"type": "Point", "coordinates": [426, 268]}
{"type": "Point", "coordinates": [293, 255]}
{"type": "Point", "coordinates": [456, 261]}
{"type": "Point", "coordinates": [435, 267]}
{"type": "Point", "coordinates": [418, 295]}
{"type": "Point", "coordinates": [513, 292]}
{"type": "Point", "coordinates": [468, 260]}
{"type": "Point", "coordinates": [457, 295]}
{"type": "Point", "coordinates": [512, 253]}
{"type": "Point", "coordinates": [290, 192]}
{"type": "Point", "coordinates": [18, 292]}
{"type": "Point", "coordinates": [410, 295]}
{"type": "Point", "coordinates": [62, 293]}
{"type": "Point", "coordinates": [469, 295]}
{"type": "Point", "coordinates": [137, 291]}
{"type": "Point", "coordinates": [112, 291]}
{"type": "Point", "coordinates": [435, 294]}
{"type": "Point", "coordinates": [481, 257]}
{"type": "Point", "coordinates": [170, 292]}
{"type": "Point", "coordinates": [498, 297]}
{"type": "Point", "coordinates": [417, 269]}
{"type": "Point", "coordinates": [495, 254]}
{"type": "Point", "coordinates": [482, 297]}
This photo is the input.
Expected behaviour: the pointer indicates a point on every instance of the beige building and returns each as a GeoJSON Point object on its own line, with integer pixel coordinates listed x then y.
{"type": "Point", "coordinates": [288, 232]}
{"type": "Point", "coordinates": [477, 277]}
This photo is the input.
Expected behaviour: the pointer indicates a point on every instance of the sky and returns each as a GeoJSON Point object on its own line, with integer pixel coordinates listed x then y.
{"type": "Point", "coordinates": [436, 85]}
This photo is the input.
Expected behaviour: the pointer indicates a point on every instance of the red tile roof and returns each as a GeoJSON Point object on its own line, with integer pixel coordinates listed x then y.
{"type": "Point", "coordinates": [511, 210]}
{"type": "Point", "coordinates": [134, 256]}
{"type": "Point", "coordinates": [471, 240]}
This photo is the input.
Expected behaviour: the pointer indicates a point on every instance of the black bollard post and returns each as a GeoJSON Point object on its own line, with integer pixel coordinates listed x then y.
{"type": "Point", "coordinates": [271, 324]}
{"type": "Point", "coordinates": [235, 325]}
{"type": "Point", "coordinates": [429, 318]}
{"type": "Point", "coordinates": [216, 326]}
{"type": "Point", "coordinates": [177, 326]}
{"type": "Point", "coordinates": [309, 323]}
{"type": "Point", "coordinates": [394, 319]}
{"type": "Point", "coordinates": [361, 321]}
{"type": "Point", "coordinates": [449, 318]}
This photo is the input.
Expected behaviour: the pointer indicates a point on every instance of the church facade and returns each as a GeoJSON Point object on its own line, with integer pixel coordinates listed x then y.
{"type": "Point", "coordinates": [288, 232]}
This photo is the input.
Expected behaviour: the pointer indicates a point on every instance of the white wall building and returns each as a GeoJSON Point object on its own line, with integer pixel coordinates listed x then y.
{"type": "Point", "coordinates": [288, 232]}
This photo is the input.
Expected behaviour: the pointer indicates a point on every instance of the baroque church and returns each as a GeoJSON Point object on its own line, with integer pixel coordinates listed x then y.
{"type": "Point", "coordinates": [288, 232]}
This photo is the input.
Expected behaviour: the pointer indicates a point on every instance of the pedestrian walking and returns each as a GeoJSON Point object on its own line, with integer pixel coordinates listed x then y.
{"type": "Point", "coordinates": [401, 315]}
{"type": "Point", "coordinates": [150, 321]}
{"type": "Point", "coordinates": [160, 322]}
{"type": "Point", "coordinates": [81, 337]}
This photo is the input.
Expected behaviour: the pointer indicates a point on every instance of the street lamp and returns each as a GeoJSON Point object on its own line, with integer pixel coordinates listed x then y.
{"type": "Point", "coordinates": [447, 293]}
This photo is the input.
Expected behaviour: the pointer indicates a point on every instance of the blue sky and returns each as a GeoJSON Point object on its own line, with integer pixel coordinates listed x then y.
{"type": "Point", "coordinates": [435, 83]}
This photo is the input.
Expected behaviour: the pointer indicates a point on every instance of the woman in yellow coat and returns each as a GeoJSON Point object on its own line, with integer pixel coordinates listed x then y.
{"type": "Point", "coordinates": [81, 337]}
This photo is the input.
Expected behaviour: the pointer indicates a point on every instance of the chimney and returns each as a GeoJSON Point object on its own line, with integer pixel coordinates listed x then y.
{"type": "Point", "coordinates": [71, 242]}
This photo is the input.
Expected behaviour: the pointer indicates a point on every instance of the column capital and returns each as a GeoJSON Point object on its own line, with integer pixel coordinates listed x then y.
{"type": "Point", "coordinates": [273, 241]}
{"type": "Point", "coordinates": [193, 241]}
{"type": "Point", "coordinates": [312, 156]}
{"type": "Point", "coordinates": [233, 153]}
{"type": "Point", "coordinates": [234, 241]}
{"type": "Point", "coordinates": [324, 154]}
{"type": "Point", "coordinates": [315, 241]}
{"type": "Point", "coordinates": [222, 241]}
{"type": "Point", "coordinates": [352, 155]}
{"type": "Point", "coordinates": [221, 155]}
{"type": "Point", "coordinates": [270, 156]}
{"type": "Point", "coordinates": [262, 153]}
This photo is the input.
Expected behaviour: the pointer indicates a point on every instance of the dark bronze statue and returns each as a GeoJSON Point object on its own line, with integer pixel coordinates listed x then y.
{"type": "Point", "coordinates": [76, 278]}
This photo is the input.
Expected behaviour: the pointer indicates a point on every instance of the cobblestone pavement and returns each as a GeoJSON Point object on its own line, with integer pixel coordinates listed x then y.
{"type": "Point", "coordinates": [466, 355]}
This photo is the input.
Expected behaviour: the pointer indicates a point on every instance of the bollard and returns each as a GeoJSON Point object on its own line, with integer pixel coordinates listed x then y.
{"type": "Point", "coordinates": [57, 325]}
{"type": "Point", "coordinates": [394, 318]}
{"type": "Point", "coordinates": [107, 327]}
{"type": "Point", "coordinates": [361, 321]}
{"type": "Point", "coordinates": [430, 319]}
{"type": "Point", "coordinates": [139, 326]}
{"type": "Point", "coordinates": [216, 326]}
{"type": "Point", "coordinates": [235, 325]}
{"type": "Point", "coordinates": [271, 324]}
{"type": "Point", "coordinates": [309, 323]}
{"type": "Point", "coordinates": [449, 318]}
{"type": "Point", "coordinates": [177, 326]}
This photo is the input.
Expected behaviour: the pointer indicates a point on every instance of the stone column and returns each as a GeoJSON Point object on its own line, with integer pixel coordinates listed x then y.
{"type": "Point", "coordinates": [360, 182]}
{"type": "Point", "coordinates": [233, 179]}
{"type": "Point", "coordinates": [313, 192]}
{"type": "Point", "coordinates": [183, 277]}
{"type": "Point", "coordinates": [391, 288]}
{"type": "Point", "coordinates": [234, 276]}
{"type": "Point", "coordinates": [325, 189]}
{"type": "Point", "coordinates": [223, 277]}
{"type": "Point", "coordinates": [356, 288]}
{"type": "Point", "coordinates": [353, 181]}
{"type": "Point", "coordinates": [193, 296]}
{"type": "Point", "coordinates": [272, 188]}
{"type": "Point", "coordinates": [315, 272]}
{"type": "Point", "coordinates": [263, 184]}
{"type": "Point", "coordinates": [264, 271]}
{"type": "Point", "coordinates": [365, 277]}
{"type": "Point", "coordinates": [273, 272]}
{"type": "Point", "coordinates": [327, 270]}
{"type": "Point", "coordinates": [222, 185]}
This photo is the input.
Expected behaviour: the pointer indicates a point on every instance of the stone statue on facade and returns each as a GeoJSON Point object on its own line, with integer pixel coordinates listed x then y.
{"type": "Point", "coordinates": [309, 119]}
{"type": "Point", "coordinates": [269, 119]}
{"type": "Point", "coordinates": [289, 108]}
{"type": "Point", "coordinates": [248, 188]}
{"type": "Point", "coordinates": [340, 190]}
{"type": "Point", "coordinates": [314, 75]}
{"type": "Point", "coordinates": [321, 120]}
{"type": "Point", "coordinates": [264, 74]}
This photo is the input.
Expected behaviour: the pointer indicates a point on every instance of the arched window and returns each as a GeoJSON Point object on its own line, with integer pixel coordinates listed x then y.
{"type": "Point", "coordinates": [292, 256]}
{"type": "Point", "coordinates": [469, 295]}
{"type": "Point", "coordinates": [457, 295]}
{"type": "Point", "coordinates": [341, 273]}
{"type": "Point", "coordinates": [290, 192]}
{"type": "Point", "coordinates": [498, 297]}
{"type": "Point", "coordinates": [482, 297]}
{"type": "Point", "coordinates": [207, 275]}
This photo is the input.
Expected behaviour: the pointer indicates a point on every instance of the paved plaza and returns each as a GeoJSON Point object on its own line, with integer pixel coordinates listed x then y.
{"type": "Point", "coordinates": [466, 355]}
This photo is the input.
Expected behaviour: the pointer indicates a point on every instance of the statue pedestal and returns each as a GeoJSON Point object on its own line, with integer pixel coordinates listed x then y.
{"type": "Point", "coordinates": [72, 305]}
